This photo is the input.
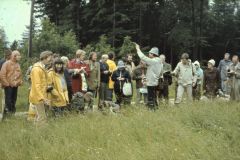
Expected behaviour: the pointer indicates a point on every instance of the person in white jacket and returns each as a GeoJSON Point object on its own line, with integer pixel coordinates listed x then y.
{"type": "Point", "coordinates": [187, 77]}
{"type": "Point", "coordinates": [154, 70]}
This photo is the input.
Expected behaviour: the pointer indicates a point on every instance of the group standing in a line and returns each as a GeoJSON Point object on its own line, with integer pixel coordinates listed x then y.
{"type": "Point", "coordinates": [62, 84]}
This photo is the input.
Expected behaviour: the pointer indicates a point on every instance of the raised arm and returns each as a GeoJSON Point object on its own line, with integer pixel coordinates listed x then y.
{"type": "Point", "coordinates": [142, 56]}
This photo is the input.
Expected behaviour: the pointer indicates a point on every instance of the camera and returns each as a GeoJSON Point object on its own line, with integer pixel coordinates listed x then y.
{"type": "Point", "coordinates": [49, 89]}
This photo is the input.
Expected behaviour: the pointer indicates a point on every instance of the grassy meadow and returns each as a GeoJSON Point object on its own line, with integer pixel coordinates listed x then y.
{"type": "Point", "coordinates": [202, 130]}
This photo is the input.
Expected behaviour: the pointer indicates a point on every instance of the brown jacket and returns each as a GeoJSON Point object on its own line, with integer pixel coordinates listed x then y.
{"type": "Point", "coordinates": [211, 81]}
{"type": "Point", "coordinates": [138, 72]}
{"type": "Point", "coordinates": [10, 74]}
{"type": "Point", "coordinates": [93, 79]}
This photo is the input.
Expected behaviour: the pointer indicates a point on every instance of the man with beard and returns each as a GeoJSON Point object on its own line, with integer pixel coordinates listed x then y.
{"type": "Point", "coordinates": [130, 66]}
{"type": "Point", "coordinates": [94, 76]}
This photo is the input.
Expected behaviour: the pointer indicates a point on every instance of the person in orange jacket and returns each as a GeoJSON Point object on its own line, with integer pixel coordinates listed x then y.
{"type": "Point", "coordinates": [11, 78]}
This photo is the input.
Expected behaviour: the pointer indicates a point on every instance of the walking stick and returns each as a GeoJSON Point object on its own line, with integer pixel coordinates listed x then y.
{"type": "Point", "coordinates": [120, 81]}
{"type": "Point", "coordinates": [98, 102]}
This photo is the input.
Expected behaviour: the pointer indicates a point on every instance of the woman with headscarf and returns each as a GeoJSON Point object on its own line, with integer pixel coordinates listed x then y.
{"type": "Point", "coordinates": [120, 76]}
{"type": "Point", "coordinates": [211, 81]}
{"type": "Point", "coordinates": [198, 87]}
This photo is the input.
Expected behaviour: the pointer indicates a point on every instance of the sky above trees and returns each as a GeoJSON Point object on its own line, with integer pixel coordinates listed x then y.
{"type": "Point", "coordinates": [14, 16]}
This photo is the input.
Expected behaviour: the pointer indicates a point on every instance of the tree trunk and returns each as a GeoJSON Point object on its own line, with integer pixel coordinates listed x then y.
{"type": "Point", "coordinates": [194, 31]}
{"type": "Point", "coordinates": [200, 26]}
{"type": "Point", "coordinates": [114, 23]}
{"type": "Point", "coordinates": [140, 22]}
{"type": "Point", "coordinates": [78, 19]}
{"type": "Point", "coordinates": [31, 30]}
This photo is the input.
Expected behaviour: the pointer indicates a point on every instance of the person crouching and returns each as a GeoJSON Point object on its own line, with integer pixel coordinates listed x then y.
{"type": "Point", "coordinates": [57, 88]}
{"type": "Point", "coordinates": [120, 76]}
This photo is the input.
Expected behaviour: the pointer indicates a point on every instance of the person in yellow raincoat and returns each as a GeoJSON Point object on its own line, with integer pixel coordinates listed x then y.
{"type": "Point", "coordinates": [57, 88]}
{"type": "Point", "coordinates": [38, 95]}
{"type": "Point", "coordinates": [112, 67]}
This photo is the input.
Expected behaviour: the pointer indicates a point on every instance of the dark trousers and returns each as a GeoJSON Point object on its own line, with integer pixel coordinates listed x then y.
{"type": "Point", "coordinates": [58, 111]}
{"type": "Point", "coordinates": [152, 97]}
{"type": "Point", "coordinates": [120, 98]}
{"type": "Point", "coordinates": [70, 93]}
{"type": "Point", "coordinates": [10, 99]}
{"type": "Point", "coordinates": [163, 92]}
{"type": "Point", "coordinates": [109, 94]}
{"type": "Point", "coordinates": [197, 92]}
{"type": "Point", "coordinates": [103, 91]}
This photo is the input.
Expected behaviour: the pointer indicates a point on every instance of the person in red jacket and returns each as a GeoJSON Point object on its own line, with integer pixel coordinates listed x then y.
{"type": "Point", "coordinates": [79, 72]}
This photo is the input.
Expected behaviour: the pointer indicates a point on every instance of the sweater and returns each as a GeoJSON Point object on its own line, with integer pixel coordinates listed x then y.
{"type": "Point", "coordinates": [154, 68]}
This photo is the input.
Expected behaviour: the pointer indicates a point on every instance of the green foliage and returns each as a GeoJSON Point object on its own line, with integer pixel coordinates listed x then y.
{"type": "Point", "coordinates": [3, 41]}
{"type": "Point", "coordinates": [201, 130]}
{"type": "Point", "coordinates": [181, 38]}
{"type": "Point", "coordinates": [128, 47]}
{"type": "Point", "coordinates": [50, 39]}
{"type": "Point", "coordinates": [14, 45]}
{"type": "Point", "coordinates": [89, 48]}
{"type": "Point", "coordinates": [203, 28]}
{"type": "Point", "coordinates": [103, 47]}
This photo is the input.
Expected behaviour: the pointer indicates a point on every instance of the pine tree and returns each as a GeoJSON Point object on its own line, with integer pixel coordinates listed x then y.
{"type": "Point", "coordinates": [3, 41]}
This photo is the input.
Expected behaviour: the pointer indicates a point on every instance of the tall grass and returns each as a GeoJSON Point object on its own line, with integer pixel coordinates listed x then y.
{"type": "Point", "coordinates": [189, 131]}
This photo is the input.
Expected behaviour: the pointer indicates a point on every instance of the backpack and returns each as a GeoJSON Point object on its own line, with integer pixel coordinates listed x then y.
{"type": "Point", "coordinates": [78, 101]}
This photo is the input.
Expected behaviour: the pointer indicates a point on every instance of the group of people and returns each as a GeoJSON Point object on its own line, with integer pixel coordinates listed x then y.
{"type": "Point", "coordinates": [59, 84]}
{"type": "Point", "coordinates": [214, 81]}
